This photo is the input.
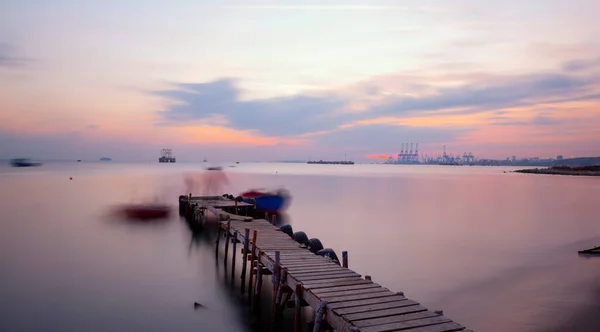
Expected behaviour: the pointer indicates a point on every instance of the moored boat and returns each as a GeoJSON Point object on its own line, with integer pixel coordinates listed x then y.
{"type": "Point", "coordinates": [146, 211]}
{"type": "Point", "coordinates": [267, 201]}
{"type": "Point", "coordinates": [23, 162]}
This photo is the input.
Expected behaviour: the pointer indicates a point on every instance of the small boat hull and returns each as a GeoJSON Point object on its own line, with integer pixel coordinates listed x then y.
{"type": "Point", "coordinates": [266, 201]}
{"type": "Point", "coordinates": [146, 212]}
{"type": "Point", "coordinates": [23, 163]}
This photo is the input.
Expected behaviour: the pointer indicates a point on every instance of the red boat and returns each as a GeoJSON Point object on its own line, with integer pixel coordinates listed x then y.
{"type": "Point", "coordinates": [146, 211]}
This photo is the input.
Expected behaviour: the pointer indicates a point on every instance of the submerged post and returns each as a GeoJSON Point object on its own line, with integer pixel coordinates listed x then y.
{"type": "Point", "coordinates": [218, 239]}
{"type": "Point", "coordinates": [251, 258]}
{"type": "Point", "coordinates": [298, 308]}
{"type": "Point", "coordinates": [245, 258]}
{"type": "Point", "coordinates": [345, 259]}
{"type": "Point", "coordinates": [227, 240]}
{"type": "Point", "coordinates": [258, 287]}
{"type": "Point", "coordinates": [275, 280]}
{"type": "Point", "coordinates": [319, 316]}
{"type": "Point", "coordinates": [280, 286]}
{"type": "Point", "coordinates": [233, 254]}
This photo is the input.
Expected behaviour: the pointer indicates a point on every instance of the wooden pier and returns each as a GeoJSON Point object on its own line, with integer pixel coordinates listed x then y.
{"type": "Point", "coordinates": [342, 299]}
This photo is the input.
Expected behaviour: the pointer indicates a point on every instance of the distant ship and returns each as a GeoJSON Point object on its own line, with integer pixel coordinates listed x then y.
{"type": "Point", "coordinates": [332, 162]}
{"type": "Point", "coordinates": [105, 159]}
{"type": "Point", "coordinates": [23, 162]}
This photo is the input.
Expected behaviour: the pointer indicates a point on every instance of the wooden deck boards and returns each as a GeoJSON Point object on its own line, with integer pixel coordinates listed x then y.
{"type": "Point", "coordinates": [352, 302]}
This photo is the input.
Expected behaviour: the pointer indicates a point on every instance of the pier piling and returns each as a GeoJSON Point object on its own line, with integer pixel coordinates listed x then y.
{"type": "Point", "coordinates": [340, 298]}
{"type": "Point", "coordinates": [245, 259]}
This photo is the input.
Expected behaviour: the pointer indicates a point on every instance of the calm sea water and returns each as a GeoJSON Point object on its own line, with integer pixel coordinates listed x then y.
{"type": "Point", "coordinates": [496, 251]}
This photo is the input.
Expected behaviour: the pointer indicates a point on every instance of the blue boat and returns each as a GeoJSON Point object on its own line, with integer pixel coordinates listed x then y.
{"type": "Point", "coordinates": [270, 202]}
{"type": "Point", "coordinates": [265, 201]}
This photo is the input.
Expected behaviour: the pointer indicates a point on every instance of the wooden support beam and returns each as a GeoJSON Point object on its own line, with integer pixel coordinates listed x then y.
{"type": "Point", "coordinates": [319, 316]}
{"type": "Point", "coordinates": [233, 254]}
{"type": "Point", "coordinates": [298, 308]}
{"type": "Point", "coordinates": [218, 239]}
{"type": "Point", "coordinates": [345, 259]}
{"type": "Point", "coordinates": [245, 258]}
{"type": "Point", "coordinates": [227, 240]}
{"type": "Point", "coordinates": [251, 258]}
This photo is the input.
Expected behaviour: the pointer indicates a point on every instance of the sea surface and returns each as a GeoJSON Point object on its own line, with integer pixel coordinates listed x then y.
{"type": "Point", "coordinates": [495, 251]}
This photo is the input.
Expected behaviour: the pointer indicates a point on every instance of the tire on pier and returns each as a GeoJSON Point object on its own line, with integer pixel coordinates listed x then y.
{"type": "Point", "coordinates": [300, 237]}
{"type": "Point", "coordinates": [314, 245]}
{"type": "Point", "coordinates": [287, 229]}
{"type": "Point", "coordinates": [329, 253]}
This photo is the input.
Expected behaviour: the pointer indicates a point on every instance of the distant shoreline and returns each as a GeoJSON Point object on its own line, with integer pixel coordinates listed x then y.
{"type": "Point", "coordinates": [565, 170]}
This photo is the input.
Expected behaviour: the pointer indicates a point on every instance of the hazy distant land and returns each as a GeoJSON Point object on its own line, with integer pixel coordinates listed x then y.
{"type": "Point", "coordinates": [565, 170]}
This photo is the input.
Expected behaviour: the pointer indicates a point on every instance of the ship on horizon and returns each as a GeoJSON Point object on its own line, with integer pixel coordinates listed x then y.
{"type": "Point", "coordinates": [331, 162]}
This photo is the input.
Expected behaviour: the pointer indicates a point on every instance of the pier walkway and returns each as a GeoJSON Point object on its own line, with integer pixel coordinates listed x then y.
{"type": "Point", "coordinates": [340, 297]}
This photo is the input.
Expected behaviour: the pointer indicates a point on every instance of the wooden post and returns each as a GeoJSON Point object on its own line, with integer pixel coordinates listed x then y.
{"type": "Point", "coordinates": [245, 258]}
{"type": "Point", "coordinates": [345, 259]}
{"type": "Point", "coordinates": [368, 278]}
{"type": "Point", "coordinates": [439, 312]}
{"type": "Point", "coordinates": [227, 240]}
{"type": "Point", "coordinates": [400, 293]}
{"type": "Point", "coordinates": [298, 308]}
{"type": "Point", "coordinates": [258, 288]}
{"type": "Point", "coordinates": [254, 235]}
{"type": "Point", "coordinates": [319, 316]}
{"type": "Point", "coordinates": [236, 208]}
{"type": "Point", "coordinates": [218, 239]}
{"type": "Point", "coordinates": [233, 254]}
{"type": "Point", "coordinates": [275, 276]}
{"type": "Point", "coordinates": [275, 279]}
{"type": "Point", "coordinates": [280, 286]}
{"type": "Point", "coordinates": [266, 216]}
{"type": "Point", "coordinates": [274, 220]}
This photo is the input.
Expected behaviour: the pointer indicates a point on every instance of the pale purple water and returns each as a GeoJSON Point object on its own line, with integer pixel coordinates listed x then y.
{"type": "Point", "coordinates": [495, 251]}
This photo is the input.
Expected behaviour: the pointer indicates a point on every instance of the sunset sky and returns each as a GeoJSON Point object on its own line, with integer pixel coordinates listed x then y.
{"type": "Point", "coordinates": [298, 79]}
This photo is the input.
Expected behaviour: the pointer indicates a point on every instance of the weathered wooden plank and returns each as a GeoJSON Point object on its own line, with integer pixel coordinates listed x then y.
{"type": "Point", "coordinates": [357, 303]}
{"type": "Point", "coordinates": [351, 292]}
{"type": "Point", "coordinates": [354, 281]}
{"type": "Point", "coordinates": [328, 281]}
{"type": "Point", "coordinates": [376, 306]}
{"type": "Point", "coordinates": [330, 276]}
{"type": "Point", "coordinates": [385, 312]}
{"type": "Point", "coordinates": [308, 272]}
{"type": "Point", "coordinates": [445, 327]}
{"type": "Point", "coordinates": [407, 325]}
{"type": "Point", "coordinates": [394, 319]}
{"type": "Point", "coordinates": [316, 269]}
{"type": "Point", "coordinates": [377, 294]}
{"type": "Point", "coordinates": [294, 265]}
{"type": "Point", "coordinates": [322, 291]}
{"type": "Point", "coordinates": [319, 264]}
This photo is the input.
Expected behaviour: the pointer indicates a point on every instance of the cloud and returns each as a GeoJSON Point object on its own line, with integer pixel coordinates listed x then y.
{"type": "Point", "coordinates": [419, 101]}
{"type": "Point", "coordinates": [582, 65]}
{"type": "Point", "coordinates": [283, 116]}
{"type": "Point", "coordinates": [8, 59]}
{"type": "Point", "coordinates": [386, 137]}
